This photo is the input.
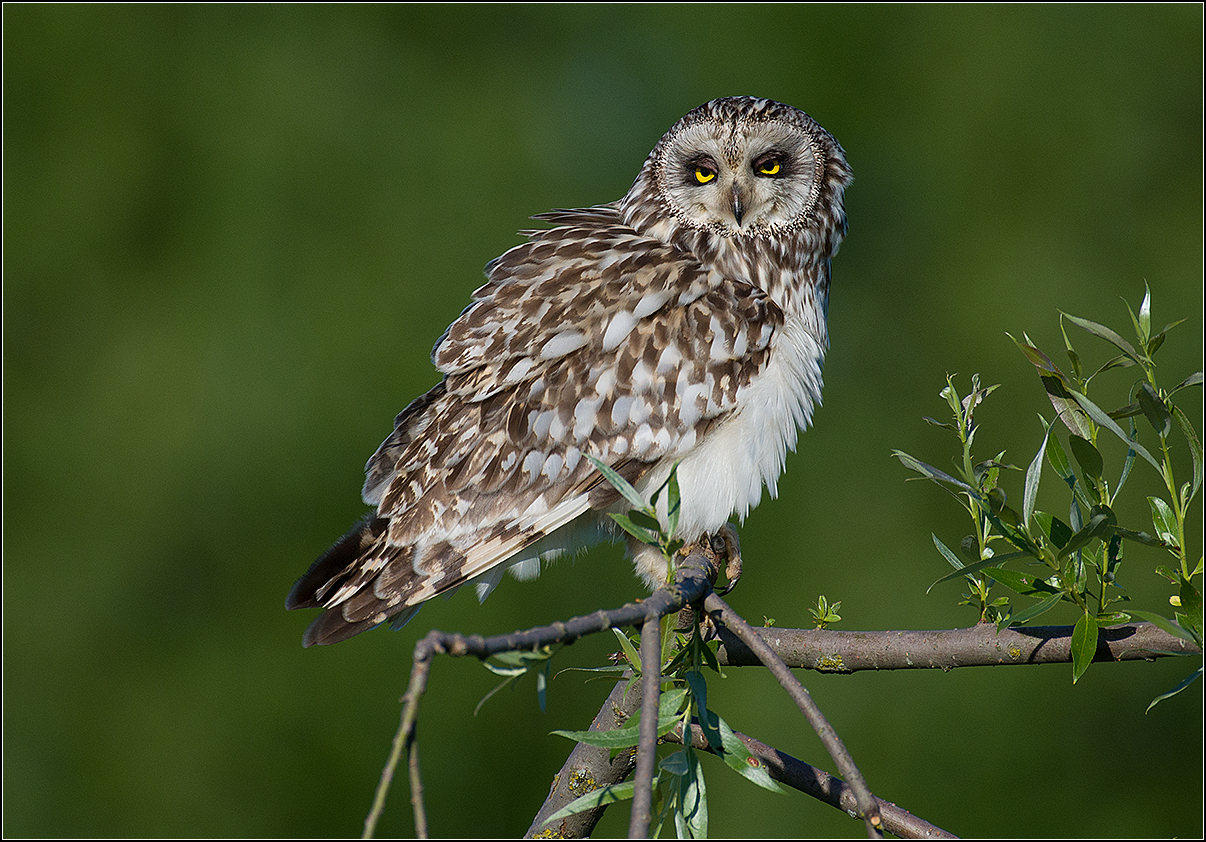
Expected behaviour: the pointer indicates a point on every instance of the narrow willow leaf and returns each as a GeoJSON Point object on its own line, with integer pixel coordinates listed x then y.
{"type": "Point", "coordinates": [947, 554]}
{"type": "Point", "coordinates": [1195, 447]}
{"type": "Point", "coordinates": [1088, 457]}
{"type": "Point", "coordinates": [643, 535]}
{"type": "Point", "coordinates": [1097, 526]}
{"type": "Point", "coordinates": [1127, 463]}
{"type": "Point", "coordinates": [1105, 333]}
{"type": "Point", "coordinates": [645, 520]}
{"type": "Point", "coordinates": [932, 472]}
{"type": "Point", "coordinates": [1036, 610]}
{"type": "Point", "coordinates": [1141, 537]}
{"type": "Point", "coordinates": [1164, 520]}
{"type": "Point", "coordinates": [673, 502]}
{"type": "Point", "coordinates": [741, 760]}
{"type": "Point", "coordinates": [1022, 583]}
{"type": "Point", "coordinates": [699, 690]}
{"type": "Point", "coordinates": [669, 709]}
{"type": "Point", "coordinates": [1073, 357]}
{"type": "Point", "coordinates": [1191, 604]}
{"type": "Point", "coordinates": [1189, 679]}
{"type": "Point", "coordinates": [630, 651]}
{"type": "Point", "coordinates": [1058, 460]}
{"type": "Point", "coordinates": [604, 797]}
{"type": "Point", "coordinates": [1033, 474]}
{"type": "Point", "coordinates": [1143, 324]}
{"type": "Point", "coordinates": [1194, 379]}
{"type": "Point", "coordinates": [692, 816]}
{"type": "Point", "coordinates": [1155, 410]}
{"type": "Point", "coordinates": [1084, 645]}
{"type": "Point", "coordinates": [1095, 412]}
{"type": "Point", "coordinates": [621, 485]}
{"type": "Point", "coordinates": [1164, 624]}
{"type": "Point", "coordinates": [1055, 529]}
{"type": "Point", "coordinates": [1156, 341]}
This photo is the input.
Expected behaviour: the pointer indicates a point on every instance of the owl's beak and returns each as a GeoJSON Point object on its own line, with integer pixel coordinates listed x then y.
{"type": "Point", "coordinates": [738, 205]}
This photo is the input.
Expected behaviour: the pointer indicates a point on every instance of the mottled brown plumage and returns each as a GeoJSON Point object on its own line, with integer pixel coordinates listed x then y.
{"type": "Point", "coordinates": [684, 323]}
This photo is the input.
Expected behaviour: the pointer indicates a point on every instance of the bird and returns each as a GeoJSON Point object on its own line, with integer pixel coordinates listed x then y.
{"type": "Point", "coordinates": [681, 327]}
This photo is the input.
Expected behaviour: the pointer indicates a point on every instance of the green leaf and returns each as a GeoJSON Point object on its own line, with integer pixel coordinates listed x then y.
{"type": "Point", "coordinates": [1055, 529]}
{"type": "Point", "coordinates": [1143, 325]}
{"type": "Point", "coordinates": [739, 758]}
{"type": "Point", "coordinates": [1194, 379]}
{"type": "Point", "coordinates": [1141, 537]}
{"type": "Point", "coordinates": [1084, 645]}
{"type": "Point", "coordinates": [1164, 520]}
{"type": "Point", "coordinates": [1164, 624]}
{"type": "Point", "coordinates": [1156, 341]}
{"type": "Point", "coordinates": [1035, 610]}
{"type": "Point", "coordinates": [1191, 604]}
{"type": "Point", "coordinates": [1059, 390]}
{"type": "Point", "coordinates": [947, 554]}
{"type": "Point", "coordinates": [691, 819]}
{"type": "Point", "coordinates": [1087, 456]}
{"type": "Point", "coordinates": [603, 797]}
{"type": "Point", "coordinates": [699, 691]}
{"type": "Point", "coordinates": [1108, 335]}
{"type": "Point", "coordinates": [640, 533]}
{"type": "Point", "coordinates": [985, 566]}
{"type": "Point", "coordinates": [1058, 460]}
{"type": "Point", "coordinates": [1195, 447]}
{"type": "Point", "coordinates": [619, 483]}
{"type": "Point", "coordinates": [1022, 583]}
{"type": "Point", "coordinates": [1189, 679]}
{"type": "Point", "coordinates": [1033, 474]}
{"type": "Point", "coordinates": [673, 502]}
{"type": "Point", "coordinates": [1094, 412]}
{"type": "Point", "coordinates": [1099, 524]}
{"type": "Point", "coordinates": [669, 709]}
{"type": "Point", "coordinates": [933, 473]}
{"type": "Point", "coordinates": [1154, 409]}
{"type": "Point", "coordinates": [630, 651]}
{"type": "Point", "coordinates": [645, 520]}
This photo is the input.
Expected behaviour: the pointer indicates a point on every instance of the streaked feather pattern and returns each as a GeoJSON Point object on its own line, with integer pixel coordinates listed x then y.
{"type": "Point", "coordinates": [638, 338]}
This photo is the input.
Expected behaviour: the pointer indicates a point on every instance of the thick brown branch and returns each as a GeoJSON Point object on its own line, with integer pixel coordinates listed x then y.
{"type": "Point", "coordinates": [827, 650]}
{"type": "Point", "coordinates": [589, 768]}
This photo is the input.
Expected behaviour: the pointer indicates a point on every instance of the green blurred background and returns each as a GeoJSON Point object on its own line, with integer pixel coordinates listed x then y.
{"type": "Point", "coordinates": [232, 235]}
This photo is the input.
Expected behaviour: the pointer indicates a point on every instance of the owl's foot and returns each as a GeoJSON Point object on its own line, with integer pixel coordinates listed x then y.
{"type": "Point", "coordinates": [725, 543]}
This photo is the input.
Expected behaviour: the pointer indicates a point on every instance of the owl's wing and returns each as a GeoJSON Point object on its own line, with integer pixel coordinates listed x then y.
{"type": "Point", "coordinates": [588, 339]}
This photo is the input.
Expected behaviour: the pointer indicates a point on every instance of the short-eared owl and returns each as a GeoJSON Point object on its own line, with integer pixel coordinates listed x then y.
{"type": "Point", "coordinates": [683, 324]}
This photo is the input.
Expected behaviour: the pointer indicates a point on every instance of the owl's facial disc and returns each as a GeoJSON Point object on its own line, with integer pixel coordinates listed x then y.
{"type": "Point", "coordinates": [745, 179]}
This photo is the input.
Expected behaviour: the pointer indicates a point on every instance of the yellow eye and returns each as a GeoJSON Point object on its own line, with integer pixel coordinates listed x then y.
{"type": "Point", "coordinates": [704, 174]}
{"type": "Point", "coordinates": [770, 167]}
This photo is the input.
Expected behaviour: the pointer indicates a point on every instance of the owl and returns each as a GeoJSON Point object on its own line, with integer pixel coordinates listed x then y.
{"type": "Point", "coordinates": [683, 325]}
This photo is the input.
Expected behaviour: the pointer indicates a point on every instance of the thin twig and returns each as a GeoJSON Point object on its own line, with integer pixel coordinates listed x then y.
{"type": "Point", "coordinates": [820, 785]}
{"type": "Point", "coordinates": [404, 738]}
{"type": "Point", "coordinates": [714, 605]}
{"type": "Point", "coordinates": [646, 760]}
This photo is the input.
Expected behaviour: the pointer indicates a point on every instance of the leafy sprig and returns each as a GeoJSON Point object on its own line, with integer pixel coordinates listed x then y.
{"type": "Point", "coordinates": [1078, 559]}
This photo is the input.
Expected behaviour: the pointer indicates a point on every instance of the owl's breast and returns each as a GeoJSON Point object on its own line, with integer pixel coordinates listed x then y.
{"type": "Point", "coordinates": [726, 469]}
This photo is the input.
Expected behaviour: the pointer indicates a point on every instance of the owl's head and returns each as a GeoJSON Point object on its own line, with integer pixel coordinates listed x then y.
{"type": "Point", "coordinates": [741, 167]}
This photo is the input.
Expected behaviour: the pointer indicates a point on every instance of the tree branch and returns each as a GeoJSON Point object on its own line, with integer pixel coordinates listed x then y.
{"type": "Point", "coordinates": [820, 785]}
{"type": "Point", "coordinates": [726, 619]}
{"type": "Point", "coordinates": [826, 650]}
